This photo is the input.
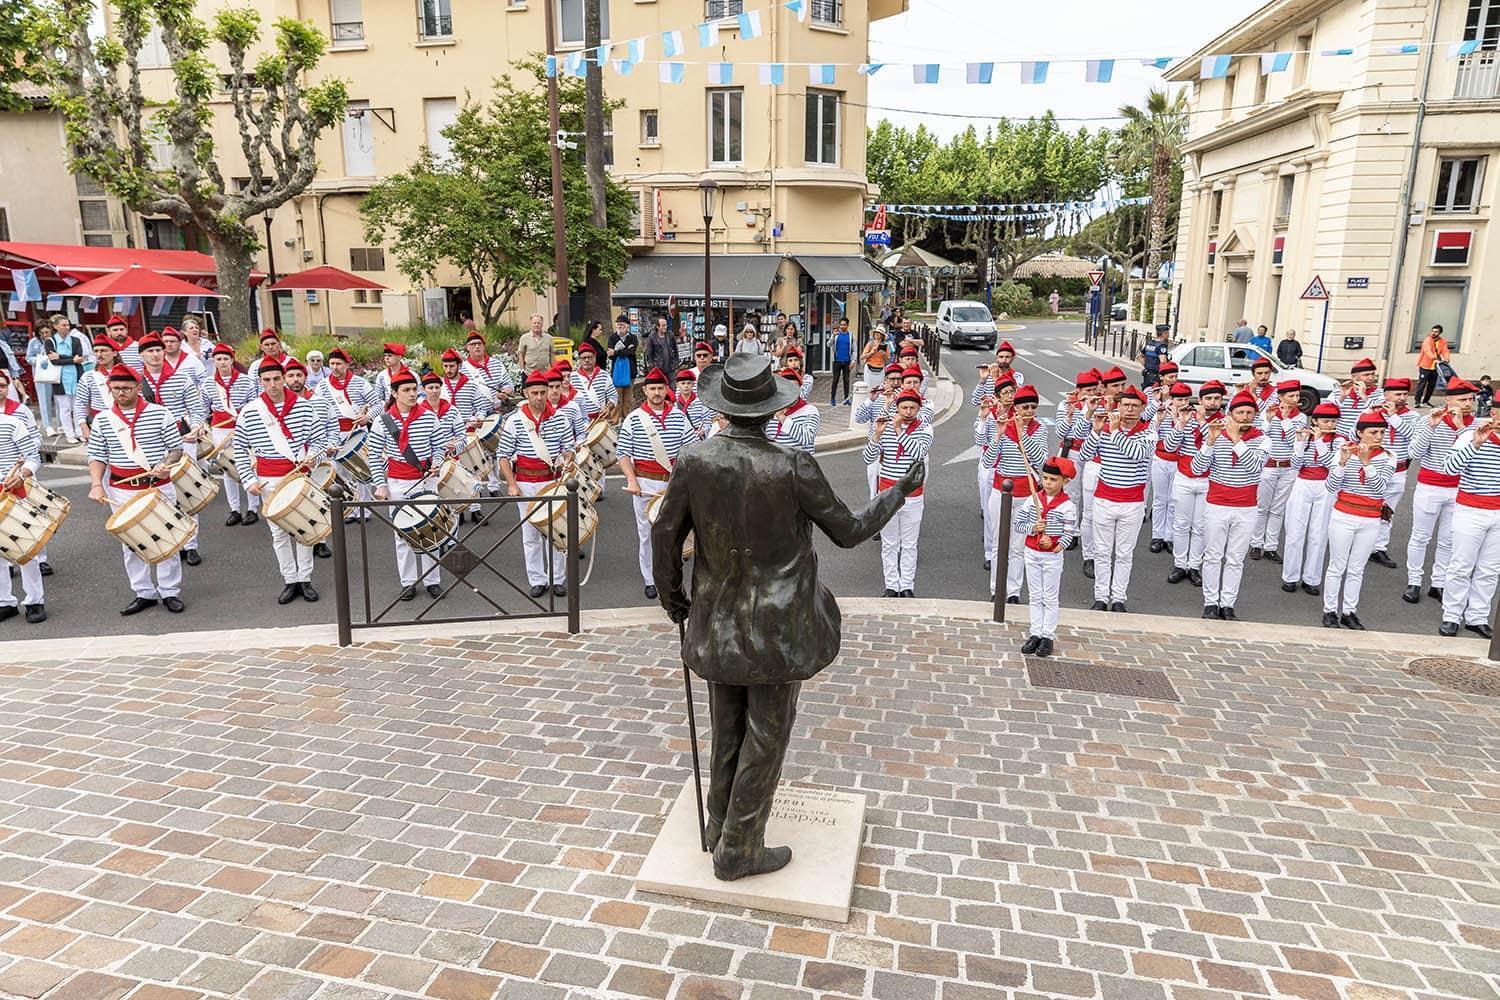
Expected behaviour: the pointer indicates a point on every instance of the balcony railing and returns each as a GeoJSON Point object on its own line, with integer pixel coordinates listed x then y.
{"type": "Point", "coordinates": [348, 33]}
{"type": "Point", "coordinates": [1478, 76]}
{"type": "Point", "coordinates": [828, 11]}
{"type": "Point", "coordinates": [435, 25]}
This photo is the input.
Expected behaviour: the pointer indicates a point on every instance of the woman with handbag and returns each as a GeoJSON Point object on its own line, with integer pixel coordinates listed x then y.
{"type": "Point", "coordinates": [44, 375]}
{"type": "Point", "coordinates": [65, 350]}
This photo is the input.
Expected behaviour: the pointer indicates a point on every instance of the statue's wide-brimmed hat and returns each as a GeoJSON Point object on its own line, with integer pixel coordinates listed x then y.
{"type": "Point", "coordinates": [746, 386]}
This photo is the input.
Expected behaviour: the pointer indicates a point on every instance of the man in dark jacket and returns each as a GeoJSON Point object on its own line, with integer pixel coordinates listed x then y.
{"type": "Point", "coordinates": [1289, 352]}
{"type": "Point", "coordinates": [660, 351]}
{"type": "Point", "coordinates": [759, 622]}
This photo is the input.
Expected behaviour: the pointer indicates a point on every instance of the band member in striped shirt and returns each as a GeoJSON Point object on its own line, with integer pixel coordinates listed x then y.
{"type": "Point", "coordinates": [1357, 482]}
{"type": "Point", "coordinates": [226, 393]}
{"type": "Point", "coordinates": [1186, 435]}
{"type": "Point", "coordinates": [572, 408]}
{"type": "Point", "coordinates": [1232, 455]}
{"type": "Point", "coordinates": [1313, 452]}
{"type": "Point", "coordinates": [92, 392]}
{"type": "Point", "coordinates": [278, 434]}
{"type": "Point", "coordinates": [1111, 385]}
{"type": "Point", "coordinates": [355, 402]}
{"type": "Point", "coordinates": [1436, 493]}
{"type": "Point", "coordinates": [174, 389]}
{"type": "Point", "coordinates": [1401, 427]}
{"type": "Point", "coordinates": [697, 412]}
{"type": "Point", "coordinates": [896, 445]}
{"type": "Point", "coordinates": [488, 371]}
{"type": "Point", "coordinates": [1260, 384]}
{"type": "Point", "coordinates": [599, 395]}
{"type": "Point", "coordinates": [996, 406]}
{"type": "Point", "coordinates": [797, 425]}
{"type": "Point", "coordinates": [393, 363]}
{"type": "Point", "coordinates": [1014, 447]}
{"type": "Point", "coordinates": [270, 350]}
{"type": "Point", "coordinates": [1045, 519]}
{"type": "Point", "coordinates": [995, 373]}
{"type": "Point", "coordinates": [118, 331]}
{"type": "Point", "coordinates": [180, 360]}
{"type": "Point", "coordinates": [1281, 424]}
{"type": "Point", "coordinates": [469, 395]}
{"type": "Point", "coordinates": [1164, 462]}
{"type": "Point", "coordinates": [651, 436]}
{"type": "Point", "coordinates": [792, 358]}
{"type": "Point", "coordinates": [295, 374]}
{"type": "Point", "coordinates": [404, 442]}
{"type": "Point", "coordinates": [882, 401]}
{"type": "Point", "coordinates": [533, 446]}
{"type": "Point", "coordinates": [450, 421]}
{"type": "Point", "coordinates": [1356, 396]}
{"type": "Point", "coordinates": [20, 458]}
{"type": "Point", "coordinates": [1122, 445]}
{"type": "Point", "coordinates": [1469, 580]}
{"type": "Point", "coordinates": [134, 446]}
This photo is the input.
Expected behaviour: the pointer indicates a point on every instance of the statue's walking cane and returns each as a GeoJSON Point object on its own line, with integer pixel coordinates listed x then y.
{"type": "Point", "coordinates": [687, 683]}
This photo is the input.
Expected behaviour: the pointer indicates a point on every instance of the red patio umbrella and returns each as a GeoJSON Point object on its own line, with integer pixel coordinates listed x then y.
{"type": "Point", "coordinates": [135, 282]}
{"type": "Point", "coordinates": [326, 278]}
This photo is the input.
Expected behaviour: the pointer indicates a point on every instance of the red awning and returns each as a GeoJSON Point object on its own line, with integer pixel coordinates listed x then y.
{"type": "Point", "coordinates": [136, 282]}
{"type": "Point", "coordinates": [326, 278]}
{"type": "Point", "coordinates": [60, 265]}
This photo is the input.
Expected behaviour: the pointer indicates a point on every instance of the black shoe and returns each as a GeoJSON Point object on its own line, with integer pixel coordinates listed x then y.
{"type": "Point", "coordinates": [233, 519]}
{"type": "Point", "coordinates": [559, 590]}
{"type": "Point", "coordinates": [908, 593]}
{"type": "Point", "coordinates": [1412, 594]}
{"type": "Point", "coordinates": [409, 592]}
{"type": "Point", "coordinates": [1211, 611]}
{"type": "Point", "coordinates": [191, 557]}
{"type": "Point", "coordinates": [35, 613]}
{"type": "Point", "coordinates": [480, 517]}
{"type": "Point", "coordinates": [1255, 552]}
{"type": "Point", "coordinates": [433, 590]}
{"type": "Point", "coordinates": [174, 605]}
{"type": "Point", "coordinates": [1448, 629]}
{"type": "Point", "coordinates": [1045, 649]}
{"type": "Point", "coordinates": [1290, 588]}
{"type": "Point", "coordinates": [1436, 592]}
{"type": "Point", "coordinates": [1483, 631]}
{"type": "Point", "coordinates": [251, 517]}
{"type": "Point", "coordinates": [1088, 568]}
{"type": "Point", "coordinates": [1272, 555]}
{"type": "Point", "coordinates": [1330, 620]}
{"type": "Point", "coordinates": [651, 592]}
{"type": "Point", "coordinates": [1382, 559]}
{"type": "Point", "coordinates": [322, 550]}
{"type": "Point", "coordinates": [461, 517]}
{"type": "Point", "coordinates": [1029, 646]}
{"type": "Point", "coordinates": [1177, 575]}
{"type": "Point", "coordinates": [1012, 600]}
{"type": "Point", "coordinates": [986, 564]}
{"type": "Point", "coordinates": [9, 611]}
{"type": "Point", "coordinates": [1351, 620]}
{"type": "Point", "coordinates": [289, 593]}
{"type": "Point", "coordinates": [1228, 615]}
{"type": "Point", "coordinates": [1098, 606]}
{"type": "Point", "coordinates": [536, 591]}
{"type": "Point", "coordinates": [1118, 607]}
{"type": "Point", "coordinates": [138, 605]}
{"type": "Point", "coordinates": [1168, 543]}
{"type": "Point", "coordinates": [46, 569]}
{"type": "Point", "coordinates": [308, 593]}
{"type": "Point", "coordinates": [1312, 589]}
{"type": "Point", "coordinates": [1157, 545]}
{"type": "Point", "coordinates": [891, 593]}
{"type": "Point", "coordinates": [1196, 576]}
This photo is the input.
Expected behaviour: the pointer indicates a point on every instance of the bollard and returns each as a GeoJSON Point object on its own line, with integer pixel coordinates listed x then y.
{"type": "Point", "coordinates": [572, 555]}
{"type": "Point", "coordinates": [1002, 548]}
{"type": "Point", "coordinates": [340, 564]}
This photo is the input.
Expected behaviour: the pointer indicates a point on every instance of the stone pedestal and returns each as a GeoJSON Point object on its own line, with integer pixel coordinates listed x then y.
{"type": "Point", "coordinates": [823, 828]}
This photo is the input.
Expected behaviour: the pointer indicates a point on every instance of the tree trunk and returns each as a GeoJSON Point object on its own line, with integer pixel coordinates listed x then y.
{"type": "Point", "coordinates": [1161, 180]}
{"type": "Point", "coordinates": [232, 265]}
{"type": "Point", "coordinates": [596, 288]}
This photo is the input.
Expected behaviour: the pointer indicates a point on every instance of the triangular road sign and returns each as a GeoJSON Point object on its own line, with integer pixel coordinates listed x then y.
{"type": "Point", "coordinates": [1095, 278]}
{"type": "Point", "coordinates": [1316, 289]}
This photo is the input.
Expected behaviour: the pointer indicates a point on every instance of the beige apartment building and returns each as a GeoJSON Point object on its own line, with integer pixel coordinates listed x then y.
{"type": "Point", "coordinates": [1365, 163]}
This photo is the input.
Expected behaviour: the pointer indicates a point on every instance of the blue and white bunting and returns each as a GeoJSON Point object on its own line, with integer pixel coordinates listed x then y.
{"type": "Point", "coordinates": [671, 44]}
{"type": "Point", "coordinates": [1033, 72]}
{"type": "Point", "coordinates": [575, 64]}
{"type": "Point", "coordinates": [195, 303]}
{"type": "Point", "coordinates": [708, 35]}
{"type": "Point", "coordinates": [601, 56]}
{"type": "Point", "coordinates": [1099, 71]}
{"type": "Point", "coordinates": [772, 74]}
{"type": "Point", "coordinates": [125, 307]}
{"type": "Point", "coordinates": [1275, 62]}
{"type": "Point", "coordinates": [821, 74]}
{"type": "Point", "coordinates": [1468, 48]}
{"type": "Point", "coordinates": [1214, 67]}
{"type": "Point", "coordinates": [624, 67]}
{"type": "Point", "coordinates": [54, 303]}
{"type": "Point", "coordinates": [1409, 49]}
{"type": "Point", "coordinates": [926, 73]}
{"type": "Point", "coordinates": [1161, 62]}
{"type": "Point", "coordinates": [720, 74]}
{"type": "Point", "coordinates": [980, 72]}
{"type": "Point", "coordinates": [635, 50]}
{"type": "Point", "coordinates": [870, 69]}
{"type": "Point", "coordinates": [798, 7]}
{"type": "Point", "coordinates": [1337, 52]}
{"type": "Point", "coordinates": [162, 306]}
{"type": "Point", "coordinates": [28, 289]}
{"type": "Point", "coordinates": [551, 67]}
{"type": "Point", "coordinates": [750, 24]}
{"type": "Point", "coordinates": [670, 72]}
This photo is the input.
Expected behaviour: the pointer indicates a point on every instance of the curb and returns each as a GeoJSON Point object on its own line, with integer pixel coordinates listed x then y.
{"type": "Point", "coordinates": [851, 439]}
{"type": "Point", "coordinates": [1122, 361]}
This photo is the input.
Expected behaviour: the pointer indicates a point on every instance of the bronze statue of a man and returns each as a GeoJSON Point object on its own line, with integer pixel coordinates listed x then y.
{"type": "Point", "coordinates": [758, 623]}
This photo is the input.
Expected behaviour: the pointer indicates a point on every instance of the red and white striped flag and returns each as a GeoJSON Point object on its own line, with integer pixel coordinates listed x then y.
{"type": "Point", "coordinates": [660, 221]}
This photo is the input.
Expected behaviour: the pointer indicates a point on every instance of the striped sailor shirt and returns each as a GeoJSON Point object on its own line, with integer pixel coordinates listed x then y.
{"type": "Point", "coordinates": [226, 399]}
{"type": "Point", "coordinates": [1477, 465]}
{"type": "Point", "coordinates": [1067, 408]}
{"type": "Point", "coordinates": [1057, 514]}
{"type": "Point", "coordinates": [1314, 457]}
{"type": "Point", "coordinates": [807, 386]}
{"type": "Point", "coordinates": [417, 431]}
{"type": "Point", "coordinates": [130, 357]}
{"type": "Point", "coordinates": [1233, 469]}
{"type": "Point", "coordinates": [19, 440]}
{"type": "Point", "coordinates": [986, 387]}
{"type": "Point", "coordinates": [1431, 445]}
{"type": "Point", "coordinates": [253, 369]}
{"type": "Point", "coordinates": [698, 413]}
{"type": "Point", "coordinates": [1352, 404]}
{"type": "Point", "coordinates": [493, 376]}
{"type": "Point", "coordinates": [671, 425]}
{"type": "Point", "coordinates": [90, 396]}
{"type": "Point", "coordinates": [450, 422]}
{"type": "Point", "coordinates": [1401, 428]}
{"type": "Point", "coordinates": [326, 413]}
{"type": "Point", "coordinates": [1002, 451]}
{"type": "Point", "coordinates": [1124, 458]}
{"type": "Point", "coordinates": [595, 388]}
{"type": "Point", "coordinates": [149, 428]}
{"type": "Point", "coordinates": [351, 397]}
{"type": "Point", "coordinates": [797, 428]}
{"type": "Point", "coordinates": [896, 450]}
{"type": "Point", "coordinates": [1359, 488]}
{"type": "Point", "coordinates": [556, 433]}
{"type": "Point", "coordinates": [470, 396]}
{"type": "Point", "coordinates": [1282, 432]}
{"type": "Point", "coordinates": [1184, 442]}
{"type": "Point", "coordinates": [297, 420]}
{"type": "Point", "coordinates": [578, 420]}
{"type": "Point", "coordinates": [174, 389]}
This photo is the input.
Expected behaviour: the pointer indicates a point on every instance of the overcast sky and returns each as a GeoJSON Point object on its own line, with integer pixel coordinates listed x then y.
{"type": "Point", "coordinates": [954, 32]}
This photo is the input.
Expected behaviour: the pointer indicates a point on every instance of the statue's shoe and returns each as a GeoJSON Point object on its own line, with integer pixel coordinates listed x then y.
{"type": "Point", "coordinates": [712, 832]}
{"type": "Point", "coordinates": [729, 867]}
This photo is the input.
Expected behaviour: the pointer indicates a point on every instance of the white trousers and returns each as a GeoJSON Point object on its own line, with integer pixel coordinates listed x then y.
{"type": "Point", "coordinates": [412, 568]}
{"type": "Point", "coordinates": [1394, 491]}
{"type": "Point", "coordinates": [1163, 479]}
{"type": "Point", "coordinates": [1189, 501]}
{"type": "Point", "coordinates": [1117, 526]}
{"type": "Point", "coordinates": [1351, 539]}
{"type": "Point", "coordinates": [1431, 515]}
{"type": "Point", "coordinates": [534, 546]}
{"type": "Point", "coordinates": [1090, 480]}
{"type": "Point", "coordinates": [1307, 509]}
{"type": "Point", "coordinates": [898, 545]}
{"type": "Point", "coordinates": [649, 489]}
{"type": "Point", "coordinates": [1226, 539]}
{"type": "Point", "coordinates": [872, 473]}
{"type": "Point", "coordinates": [64, 404]}
{"type": "Point", "coordinates": [31, 583]}
{"type": "Point", "coordinates": [1473, 567]}
{"type": "Point", "coordinates": [190, 449]}
{"type": "Point", "coordinates": [1015, 569]}
{"type": "Point", "coordinates": [1044, 580]}
{"type": "Point", "coordinates": [986, 487]}
{"type": "Point", "coordinates": [234, 493]}
{"type": "Point", "coordinates": [293, 559]}
{"type": "Point", "coordinates": [1270, 506]}
{"type": "Point", "coordinates": [167, 573]}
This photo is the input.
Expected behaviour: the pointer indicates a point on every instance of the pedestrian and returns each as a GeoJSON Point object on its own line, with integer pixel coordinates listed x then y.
{"type": "Point", "coordinates": [1232, 456]}
{"type": "Point", "coordinates": [843, 353]}
{"type": "Point", "coordinates": [1307, 505]}
{"type": "Point", "coordinates": [1121, 443]}
{"type": "Point", "coordinates": [749, 342]}
{"type": "Point", "coordinates": [534, 349]}
{"type": "Point", "coordinates": [1157, 350]}
{"type": "Point", "coordinates": [620, 358]}
{"type": "Point", "coordinates": [1262, 339]}
{"type": "Point", "coordinates": [722, 348]}
{"type": "Point", "coordinates": [593, 333]}
{"type": "Point", "coordinates": [1289, 351]}
{"type": "Point", "coordinates": [1436, 492]}
{"type": "Point", "coordinates": [875, 355]}
{"type": "Point", "coordinates": [1357, 482]}
{"type": "Point", "coordinates": [1054, 301]}
{"type": "Point", "coordinates": [42, 377]}
{"type": "Point", "coordinates": [317, 374]}
{"type": "Point", "coordinates": [1242, 333]}
{"type": "Point", "coordinates": [660, 352]}
{"type": "Point", "coordinates": [66, 349]}
{"type": "Point", "coordinates": [1046, 521]}
{"type": "Point", "coordinates": [1484, 399]}
{"type": "Point", "coordinates": [1434, 349]}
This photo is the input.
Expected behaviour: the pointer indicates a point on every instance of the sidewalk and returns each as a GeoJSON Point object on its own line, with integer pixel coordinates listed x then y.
{"type": "Point", "coordinates": [460, 818]}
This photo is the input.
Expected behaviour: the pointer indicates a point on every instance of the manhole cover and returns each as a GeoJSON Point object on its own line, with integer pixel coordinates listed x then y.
{"type": "Point", "coordinates": [1460, 675]}
{"type": "Point", "coordinates": [1073, 675]}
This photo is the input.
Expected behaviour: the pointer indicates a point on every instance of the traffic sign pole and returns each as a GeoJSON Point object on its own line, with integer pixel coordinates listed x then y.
{"type": "Point", "coordinates": [1323, 338]}
{"type": "Point", "coordinates": [1316, 290]}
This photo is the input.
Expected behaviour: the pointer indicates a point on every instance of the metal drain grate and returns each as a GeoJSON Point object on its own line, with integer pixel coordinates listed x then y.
{"type": "Point", "coordinates": [1466, 676]}
{"type": "Point", "coordinates": [1072, 675]}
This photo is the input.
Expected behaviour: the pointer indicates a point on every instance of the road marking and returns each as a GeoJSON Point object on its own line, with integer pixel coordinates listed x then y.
{"type": "Point", "coordinates": [1049, 352]}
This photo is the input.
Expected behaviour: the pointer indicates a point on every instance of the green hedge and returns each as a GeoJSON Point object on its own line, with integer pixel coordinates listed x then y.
{"type": "Point", "coordinates": [424, 343]}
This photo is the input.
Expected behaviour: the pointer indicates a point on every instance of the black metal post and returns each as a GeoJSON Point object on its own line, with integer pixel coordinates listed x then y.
{"type": "Point", "coordinates": [340, 564]}
{"type": "Point", "coordinates": [687, 683]}
{"type": "Point", "coordinates": [572, 555]}
{"type": "Point", "coordinates": [1495, 639]}
{"type": "Point", "coordinates": [1002, 548]}
{"type": "Point", "coordinates": [271, 266]}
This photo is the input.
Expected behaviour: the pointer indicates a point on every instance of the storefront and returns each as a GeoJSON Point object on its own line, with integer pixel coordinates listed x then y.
{"type": "Point", "coordinates": [830, 289]}
{"type": "Point", "coordinates": [658, 284]}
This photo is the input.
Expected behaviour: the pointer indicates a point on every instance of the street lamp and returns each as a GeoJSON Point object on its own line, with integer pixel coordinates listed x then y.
{"type": "Point", "coordinates": [709, 191]}
{"type": "Point", "coordinates": [271, 264]}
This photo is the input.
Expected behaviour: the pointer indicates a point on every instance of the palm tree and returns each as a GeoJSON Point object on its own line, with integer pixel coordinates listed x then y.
{"type": "Point", "coordinates": [1158, 130]}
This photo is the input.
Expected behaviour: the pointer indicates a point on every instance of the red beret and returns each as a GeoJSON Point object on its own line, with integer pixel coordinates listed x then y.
{"type": "Point", "coordinates": [1027, 394]}
{"type": "Point", "coordinates": [894, 368]}
{"type": "Point", "coordinates": [1134, 393]}
{"type": "Point", "coordinates": [588, 348]}
{"type": "Point", "coordinates": [399, 350]}
{"type": "Point", "coordinates": [1400, 384]}
{"type": "Point", "coordinates": [292, 365]}
{"type": "Point", "coordinates": [1289, 385]}
{"type": "Point", "coordinates": [909, 396]}
{"type": "Point", "coordinates": [1460, 387]}
{"type": "Point", "coordinates": [223, 349]}
{"type": "Point", "coordinates": [269, 334]}
{"type": "Point", "coordinates": [149, 341]}
{"type": "Point", "coordinates": [911, 371]}
{"type": "Point", "coordinates": [1330, 410]}
{"type": "Point", "coordinates": [1243, 399]}
{"type": "Point", "coordinates": [658, 377]}
{"type": "Point", "coordinates": [268, 365]}
{"type": "Point", "coordinates": [1210, 387]}
{"type": "Point", "coordinates": [123, 373]}
{"type": "Point", "coordinates": [1005, 346]}
{"type": "Point", "coordinates": [1180, 390]}
{"type": "Point", "coordinates": [563, 365]}
{"type": "Point", "coordinates": [535, 378]}
{"type": "Point", "coordinates": [115, 321]}
{"type": "Point", "coordinates": [403, 376]}
{"type": "Point", "coordinates": [100, 340]}
{"type": "Point", "coordinates": [1259, 363]}
{"type": "Point", "coordinates": [1086, 379]}
{"type": "Point", "coordinates": [451, 355]}
{"type": "Point", "coordinates": [341, 354]}
{"type": "Point", "coordinates": [793, 352]}
{"type": "Point", "coordinates": [687, 375]}
{"type": "Point", "coordinates": [475, 337]}
{"type": "Point", "coordinates": [432, 378]}
{"type": "Point", "coordinates": [1060, 466]}
{"type": "Point", "coordinates": [170, 331]}
{"type": "Point", "coordinates": [1363, 365]}
{"type": "Point", "coordinates": [701, 346]}
{"type": "Point", "coordinates": [1370, 418]}
{"type": "Point", "coordinates": [1167, 368]}
{"type": "Point", "coordinates": [1113, 375]}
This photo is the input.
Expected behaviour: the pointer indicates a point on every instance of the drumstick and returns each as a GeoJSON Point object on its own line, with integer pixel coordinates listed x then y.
{"type": "Point", "coordinates": [1021, 444]}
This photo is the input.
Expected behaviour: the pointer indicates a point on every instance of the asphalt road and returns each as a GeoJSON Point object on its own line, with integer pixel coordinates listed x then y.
{"type": "Point", "coordinates": [237, 584]}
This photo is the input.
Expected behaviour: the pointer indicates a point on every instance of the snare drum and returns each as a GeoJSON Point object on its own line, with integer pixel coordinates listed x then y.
{"type": "Point", "coordinates": [454, 481]}
{"type": "Point", "coordinates": [323, 475]}
{"type": "Point", "coordinates": [350, 457]}
{"type": "Point", "coordinates": [653, 511]}
{"type": "Point", "coordinates": [299, 507]}
{"type": "Point", "coordinates": [476, 459]}
{"type": "Point", "coordinates": [51, 503]}
{"type": "Point", "coordinates": [600, 440]}
{"type": "Point", "coordinates": [488, 431]}
{"type": "Point", "coordinates": [25, 528]}
{"type": "Point", "coordinates": [220, 455]}
{"type": "Point", "coordinates": [427, 526]}
{"type": "Point", "coordinates": [552, 519]}
{"type": "Point", "coordinates": [196, 489]}
{"type": "Point", "coordinates": [151, 526]}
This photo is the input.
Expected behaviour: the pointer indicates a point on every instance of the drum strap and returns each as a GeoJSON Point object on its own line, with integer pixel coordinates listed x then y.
{"type": "Point", "coordinates": [407, 455]}
{"type": "Point", "coordinates": [537, 444]}
{"type": "Point", "coordinates": [272, 424]}
{"type": "Point", "coordinates": [126, 439]}
{"type": "Point", "coordinates": [653, 435]}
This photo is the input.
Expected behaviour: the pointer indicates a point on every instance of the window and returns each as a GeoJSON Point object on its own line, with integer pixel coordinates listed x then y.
{"type": "Point", "coordinates": [1216, 210]}
{"type": "Point", "coordinates": [94, 214]}
{"type": "Point", "coordinates": [822, 127]}
{"type": "Point", "coordinates": [366, 259]}
{"type": "Point", "coordinates": [98, 240]}
{"type": "Point", "coordinates": [435, 18]}
{"type": "Point", "coordinates": [1262, 82]}
{"type": "Point", "coordinates": [359, 140]}
{"type": "Point", "coordinates": [87, 186]}
{"type": "Point", "coordinates": [1205, 357]}
{"type": "Point", "coordinates": [153, 54]}
{"type": "Point", "coordinates": [570, 21]}
{"type": "Point", "coordinates": [650, 128]}
{"type": "Point", "coordinates": [1458, 183]}
{"type": "Point", "coordinates": [828, 11]}
{"type": "Point", "coordinates": [726, 120]}
{"type": "Point", "coordinates": [1300, 60]}
{"type": "Point", "coordinates": [164, 234]}
{"type": "Point", "coordinates": [440, 112]}
{"type": "Point", "coordinates": [714, 9]}
{"type": "Point", "coordinates": [1440, 301]}
{"type": "Point", "coordinates": [346, 23]}
{"type": "Point", "coordinates": [1483, 24]}
{"type": "Point", "coordinates": [368, 296]}
{"type": "Point", "coordinates": [1288, 183]}
{"type": "Point", "coordinates": [1227, 105]}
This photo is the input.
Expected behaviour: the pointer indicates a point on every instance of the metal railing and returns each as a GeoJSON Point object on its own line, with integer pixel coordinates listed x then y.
{"type": "Point", "coordinates": [435, 25]}
{"type": "Point", "coordinates": [932, 346]}
{"type": "Point", "coordinates": [1478, 76]}
{"type": "Point", "coordinates": [460, 551]}
{"type": "Point", "coordinates": [828, 11]}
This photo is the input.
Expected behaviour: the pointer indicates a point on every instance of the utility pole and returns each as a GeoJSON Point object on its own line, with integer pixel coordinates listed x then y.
{"type": "Point", "coordinates": [559, 215]}
{"type": "Point", "coordinates": [596, 289]}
